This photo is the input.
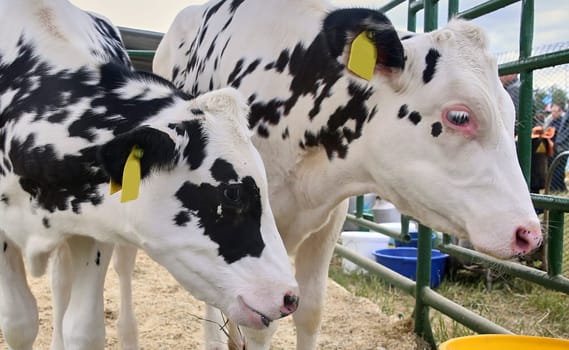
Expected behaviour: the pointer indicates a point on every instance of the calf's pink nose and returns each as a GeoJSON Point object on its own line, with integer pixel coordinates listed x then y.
{"type": "Point", "coordinates": [525, 240]}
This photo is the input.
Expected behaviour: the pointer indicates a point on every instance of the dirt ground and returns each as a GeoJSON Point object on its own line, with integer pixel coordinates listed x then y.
{"type": "Point", "coordinates": [168, 317]}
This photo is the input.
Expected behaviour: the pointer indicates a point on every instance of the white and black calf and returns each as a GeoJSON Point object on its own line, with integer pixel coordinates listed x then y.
{"type": "Point", "coordinates": [71, 113]}
{"type": "Point", "coordinates": [432, 130]}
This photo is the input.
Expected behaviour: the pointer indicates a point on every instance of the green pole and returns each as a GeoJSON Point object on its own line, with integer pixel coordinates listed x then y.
{"type": "Point", "coordinates": [422, 322]}
{"type": "Point", "coordinates": [555, 243]}
{"type": "Point", "coordinates": [412, 16]}
{"type": "Point", "coordinates": [359, 206]}
{"type": "Point", "coordinates": [526, 90]}
{"type": "Point", "coordinates": [424, 244]}
{"type": "Point", "coordinates": [391, 5]}
{"type": "Point", "coordinates": [431, 15]}
{"type": "Point", "coordinates": [452, 8]}
{"type": "Point", "coordinates": [485, 8]}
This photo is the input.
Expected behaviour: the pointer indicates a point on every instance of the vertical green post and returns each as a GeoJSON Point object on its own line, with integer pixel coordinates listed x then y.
{"type": "Point", "coordinates": [359, 206]}
{"type": "Point", "coordinates": [452, 8]}
{"type": "Point", "coordinates": [411, 17]}
{"type": "Point", "coordinates": [404, 224]}
{"type": "Point", "coordinates": [431, 15]}
{"type": "Point", "coordinates": [422, 322]}
{"type": "Point", "coordinates": [526, 90]}
{"type": "Point", "coordinates": [555, 243]}
{"type": "Point", "coordinates": [424, 244]}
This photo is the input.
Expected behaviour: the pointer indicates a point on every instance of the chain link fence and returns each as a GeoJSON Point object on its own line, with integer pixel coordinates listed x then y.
{"type": "Point", "coordinates": [551, 108]}
{"type": "Point", "coordinates": [551, 87]}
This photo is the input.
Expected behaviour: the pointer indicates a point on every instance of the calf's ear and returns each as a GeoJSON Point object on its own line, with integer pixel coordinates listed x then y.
{"type": "Point", "coordinates": [342, 27]}
{"type": "Point", "coordinates": [157, 152]}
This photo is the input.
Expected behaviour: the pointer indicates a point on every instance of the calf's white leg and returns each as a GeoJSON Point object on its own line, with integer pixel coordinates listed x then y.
{"type": "Point", "coordinates": [18, 308]}
{"type": "Point", "coordinates": [84, 322]}
{"type": "Point", "coordinates": [61, 274]}
{"type": "Point", "coordinates": [312, 261]}
{"type": "Point", "coordinates": [124, 258]}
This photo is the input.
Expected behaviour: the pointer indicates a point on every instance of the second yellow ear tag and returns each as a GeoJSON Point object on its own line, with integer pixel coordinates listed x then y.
{"type": "Point", "coordinates": [363, 56]}
{"type": "Point", "coordinates": [131, 175]}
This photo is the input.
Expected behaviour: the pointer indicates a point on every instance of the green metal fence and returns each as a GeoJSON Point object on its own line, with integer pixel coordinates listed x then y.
{"type": "Point", "coordinates": [554, 206]}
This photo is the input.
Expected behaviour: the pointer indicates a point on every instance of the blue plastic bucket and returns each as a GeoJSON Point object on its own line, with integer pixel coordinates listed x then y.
{"type": "Point", "coordinates": [414, 240]}
{"type": "Point", "coordinates": [403, 260]}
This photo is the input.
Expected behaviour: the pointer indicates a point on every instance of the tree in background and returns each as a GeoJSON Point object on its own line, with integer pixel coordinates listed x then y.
{"type": "Point", "coordinates": [542, 99]}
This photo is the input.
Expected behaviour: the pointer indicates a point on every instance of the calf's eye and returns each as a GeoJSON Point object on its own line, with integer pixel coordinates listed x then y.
{"type": "Point", "coordinates": [232, 194]}
{"type": "Point", "coordinates": [458, 118]}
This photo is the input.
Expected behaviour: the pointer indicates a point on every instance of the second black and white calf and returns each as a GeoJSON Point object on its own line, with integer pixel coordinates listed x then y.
{"type": "Point", "coordinates": [68, 124]}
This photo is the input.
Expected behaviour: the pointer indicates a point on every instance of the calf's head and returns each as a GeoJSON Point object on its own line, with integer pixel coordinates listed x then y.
{"type": "Point", "coordinates": [203, 210]}
{"type": "Point", "coordinates": [442, 140]}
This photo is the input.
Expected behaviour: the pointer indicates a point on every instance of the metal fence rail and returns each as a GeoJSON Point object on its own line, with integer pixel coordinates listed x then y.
{"type": "Point", "coordinates": [555, 206]}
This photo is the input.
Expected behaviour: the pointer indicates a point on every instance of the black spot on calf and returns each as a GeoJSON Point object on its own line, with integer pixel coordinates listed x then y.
{"type": "Point", "coordinates": [403, 111]}
{"type": "Point", "coordinates": [436, 129]}
{"type": "Point", "coordinates": [223, 171]}
{"type": "Point", "coordinates": [415, 117]}
{"type": "Point", "coordinates": [98, 258]}
{"type": "Point", "coordinates": [229, 215]}
{"type": "Point", "coordinates": [431, 61]}
{"type": "Point", "coordinates": [5, 247]}
{"type": "Point", "coordinates": [45, 222]}
{"type": "Point", "coordinates": [4, 198]}
{"type": "Point", "coordinates": [234, 5]}
{"type": "Point", "coordinates": [182, 218]}
{"type": "Point", "coordinates": [263, 131]}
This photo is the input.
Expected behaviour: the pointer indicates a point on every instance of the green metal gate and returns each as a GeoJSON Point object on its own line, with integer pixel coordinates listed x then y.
{"type": "Point", "coordinates": [554, 206]}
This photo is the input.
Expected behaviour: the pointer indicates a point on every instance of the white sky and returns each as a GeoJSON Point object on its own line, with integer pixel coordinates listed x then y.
{"type": "Point", "coordinates": [551, 18]}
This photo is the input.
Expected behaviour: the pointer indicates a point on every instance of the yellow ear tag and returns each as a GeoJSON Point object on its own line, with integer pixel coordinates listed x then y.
{"type": "Point", "coordinates": [131, 175]}
{"type": "Point", "coordinates": [363, 56]}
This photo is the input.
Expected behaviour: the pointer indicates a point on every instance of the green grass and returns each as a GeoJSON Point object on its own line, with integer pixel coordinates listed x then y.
{"type": "Point", "coordinates": [515, 304]}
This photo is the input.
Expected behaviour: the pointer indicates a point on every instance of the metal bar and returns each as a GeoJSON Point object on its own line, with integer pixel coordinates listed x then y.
{"type": "Point", "coordinates": [535, 62]}
{"type": "Point", "coordinates": [404, 225]}
{"type": "Point", "coordinates": [424, 250]}
{"type": "Point", "coordinates": [462, 315]}
{"type": "Point", "coordinates": [424, 245]}
{"type": "Point", "coordinates": [412, 16]}
{"type": "Point", "coordinates": [391, 5]}
{"type": "Point", "coordinates": [525, 116]}
{"type": "Point", "coordinates": [359, 206]}
{"type": "Point", "coordinates": [140, 39]}
{"type": "Point", "coordinates": [141, 53]}
{"type": "Point", "coordinates": [386, 274]}
{"type": "Point", "coordinates": [558, 283]}
{"type": "Point", "coordinates": [437, 301]}
{"type": "Point", "coordinates": [555, 243]}
{"type": "Point", "coordinates": [431, 15]}
{"type": "Point", "coordinates": [405, 237]}
{"type": "Point", "coordinates": [485, 8]}
{"type": "Point", "coordinates": [550, 202]}
{"type": "Point", "coordinates": [416, 6]}
{"type": "Point", "coordinates": [452, 9]}
{"type": "Point", "coordinates": [525, 124]}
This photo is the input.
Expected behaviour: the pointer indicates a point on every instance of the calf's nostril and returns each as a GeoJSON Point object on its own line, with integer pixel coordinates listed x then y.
{"type": "Point", "coordinates": [290, 304]}
{"type": "Point", "coordinates": [526, 241]}
{"type": "Point", "coordinates": [291, 300]}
